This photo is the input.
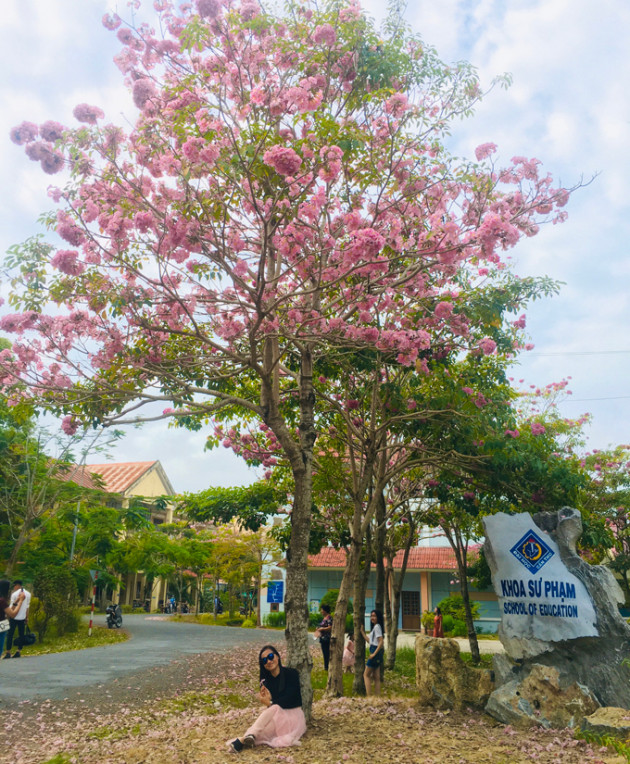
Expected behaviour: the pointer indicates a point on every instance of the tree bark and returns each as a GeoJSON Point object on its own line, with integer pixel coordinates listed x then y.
{"type": "Point", "coordinates": [460, 547]}
{"type": "Point", "coordinates": [334, 685]}
{"type": "Point", "coordinates": [396, 589]}
{"type": "Point", "coordinates": [362, 576]}
{"type": "Point", "coordinates": [296, 601]}
{"type": "Point", "coordinates": [379, 552]}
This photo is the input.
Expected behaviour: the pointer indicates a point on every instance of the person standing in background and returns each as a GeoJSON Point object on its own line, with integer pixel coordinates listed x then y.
{"type": "Point", "coordinates": [323, 631]}
{"type": "Point", "coordinates": [20, 603]}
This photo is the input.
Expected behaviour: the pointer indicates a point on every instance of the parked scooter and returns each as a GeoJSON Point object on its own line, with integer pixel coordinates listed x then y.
{"type": "Point", "coordinates": [114, 616]}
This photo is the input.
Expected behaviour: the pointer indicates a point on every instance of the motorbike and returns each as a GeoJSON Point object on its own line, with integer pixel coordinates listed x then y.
{"type": "Point", "coordinates": [114, 616]}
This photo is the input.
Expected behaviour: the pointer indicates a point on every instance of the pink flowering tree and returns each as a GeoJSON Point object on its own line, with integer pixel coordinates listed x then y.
{"type": "Point", "coordinates": [283, 194]}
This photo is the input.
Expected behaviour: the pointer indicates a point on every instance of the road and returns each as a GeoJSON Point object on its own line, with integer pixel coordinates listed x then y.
{"type": "Point", "coordinates": [154, 645]}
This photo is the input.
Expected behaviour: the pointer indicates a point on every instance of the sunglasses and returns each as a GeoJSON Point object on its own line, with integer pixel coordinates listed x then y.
{"type": "Point", "coordinates": [266, 658]}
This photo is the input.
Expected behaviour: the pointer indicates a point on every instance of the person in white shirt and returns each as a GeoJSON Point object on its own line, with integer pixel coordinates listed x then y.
{"type": "Point", "coordinates": [372, 674]}
{"type": "Point", "coordinates": [19, 620]}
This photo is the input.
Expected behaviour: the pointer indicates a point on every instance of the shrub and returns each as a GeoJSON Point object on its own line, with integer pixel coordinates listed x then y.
{"type": "Point", "coordinates": [248, 624]}
{"type": "Point", "coordinates": [57, 591]}
{"type": "Point", "coordinates": [37, 618]}
{"type": "Point", "coordinates": [427, 619]}
{"type": "Point", "coordinates": [459, 628]}
{"type": "Point", "coordinates": [330, 598]}
{"type": "Point", "coordinates": [275, 620]}
{"type": "Point", "coordinates": [448, 623]}
{"type": "Point", "coordinates": [126, 609]}
{"type": "Point", "coordinates": [454, 605]}
{"type": "Point", "coordinates": [68, 622]}
{"type": "Point", "coordinates": [314, 620]}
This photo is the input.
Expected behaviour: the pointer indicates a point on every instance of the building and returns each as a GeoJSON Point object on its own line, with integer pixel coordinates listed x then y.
{"type": "Point", "coordinates": [430, 577]}
{"type": "Point", "coordinates": [147, 480]}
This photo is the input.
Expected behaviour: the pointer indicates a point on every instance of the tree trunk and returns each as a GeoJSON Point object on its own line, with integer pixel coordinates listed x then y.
{"type": "Point", "coordinates": [296, 601]}
{"type": "Point", "coordinates": [470, 624]}
{"type": "Point", "coordinates": [334, 685]}
{"type": "Point", "coordinates": [13, 557]}
{"type": "Point", "coordinates": [396, 589]}
{"type": "Point", "coordinates": [379, 552]}
{"type": "Point", "coordinates": [460, 547]}
{"type": "Point", "coordinates": [360, 587]}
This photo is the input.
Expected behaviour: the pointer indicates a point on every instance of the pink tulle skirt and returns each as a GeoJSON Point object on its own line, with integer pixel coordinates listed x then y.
{"type": "Point", "coordinates": [347, 659]}
{"type": "Point", "coordinates": [278, 727]}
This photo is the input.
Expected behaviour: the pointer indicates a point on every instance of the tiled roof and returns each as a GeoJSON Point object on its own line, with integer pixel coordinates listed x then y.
{"type": "Point", "coordinates": [420, 558]}
{"type": "Point", "coordinates": [82, 476]}
{"type": "Point", "coordinates": [118, 477]}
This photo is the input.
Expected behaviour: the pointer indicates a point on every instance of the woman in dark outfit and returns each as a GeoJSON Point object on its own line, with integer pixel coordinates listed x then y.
{"type": "Point", "coordinates": [323, 632]}
{"type": "Point", "coordinates": [282, 723]}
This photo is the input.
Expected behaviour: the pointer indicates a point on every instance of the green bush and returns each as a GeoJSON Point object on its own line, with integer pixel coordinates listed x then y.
{"type": "Point", "coordinates": [427, 619]}
{"type": "Point", "coordinates": [314, 620]}
{"type": "Point", "coordinates": [447, 623]}
{"type": "Point", "coordinates": [68, 622]}
{"type": "Point", "coordinates": [349, 624]}
{"type": "Point", "coordinates": [248, 624]}
{"type": "Point", "coordinates": [459, 628]}
{"type": "Point", "coordinates": [37, 618]}
{"type": "Point", "coordinates": [126, 609]}
{"type": "Point", "coordinates": [56, 590]}
{"type": "Point", "coordinates": [330, 598]}
{"type": "Point", "coordinates": [454, 605]}
{"type": "Point", "coordinates": [275, 620]}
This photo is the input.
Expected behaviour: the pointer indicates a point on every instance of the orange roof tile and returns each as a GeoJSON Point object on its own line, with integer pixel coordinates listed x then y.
{"type": "Point", "coordinates": [420, 558]}
{"type": "Point", "coordinates": [82, 476]}
{"type": "Point", "coordinates": [118, 477]}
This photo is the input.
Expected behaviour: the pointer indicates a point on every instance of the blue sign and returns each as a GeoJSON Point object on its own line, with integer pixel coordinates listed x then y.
{"type": "Point", "coordinates": [532, 552]}
{"type": "Point", "coordinates": [275, 591]}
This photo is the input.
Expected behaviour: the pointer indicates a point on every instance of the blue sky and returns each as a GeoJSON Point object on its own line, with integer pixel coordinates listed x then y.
{"type": "Point", "coordinates": [569, 106]}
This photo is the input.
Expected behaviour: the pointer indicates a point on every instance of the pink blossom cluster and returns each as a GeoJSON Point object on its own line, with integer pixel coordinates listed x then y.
{"type": "Point", "coordinates": [66, 260]}
{"type": "Point", "coordinates": [284, 160]}
{"type": "Point", "coordinates": [208, 9]}
{"type": "Point", "coordinates": [325, 35]}
{"type": "Point", "coordinates": [89, 114]}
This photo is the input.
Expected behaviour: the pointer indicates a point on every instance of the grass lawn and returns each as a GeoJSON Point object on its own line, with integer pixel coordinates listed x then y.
{"type": "Point", "coordinates": [79, 641]}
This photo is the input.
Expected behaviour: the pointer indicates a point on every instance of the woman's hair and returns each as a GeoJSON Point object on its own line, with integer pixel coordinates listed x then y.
{"type": "Point", "coordinates": [325, 608]}
{"type": "Point", "coordinates": [437, 610]}
{"type": "Point", "coordinates": [4, 588]}
{"type": "Point", "coordinates": [265, 651]}
{"type": "Point", "coordinates": [379, 618]}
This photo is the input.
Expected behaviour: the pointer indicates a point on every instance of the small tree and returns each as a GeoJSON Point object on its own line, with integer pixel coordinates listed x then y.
{"type": "Point", "coordinates": [56, 590]}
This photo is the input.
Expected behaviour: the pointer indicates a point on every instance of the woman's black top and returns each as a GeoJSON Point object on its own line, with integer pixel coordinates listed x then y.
{"type": "Point", "coordinates": [285, 688]}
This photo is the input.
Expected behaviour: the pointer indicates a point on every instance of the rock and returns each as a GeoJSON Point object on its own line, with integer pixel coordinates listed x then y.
{"type": "Point", "coordinates": [444, 680]}
{"type": "Point", "coordinates": [608, 720]}
{"type": "Point", "coordinates": [504, 669]}
{"type": "Point", "coordinates": [559, 616]}
{"type": "Point", "coordinates": [539, 699]}
{"type": "Point", "coordinates": [540, 599]}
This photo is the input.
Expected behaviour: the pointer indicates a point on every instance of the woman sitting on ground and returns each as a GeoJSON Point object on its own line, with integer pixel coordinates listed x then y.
{"type": "Point", "coordinates": [282, 723]}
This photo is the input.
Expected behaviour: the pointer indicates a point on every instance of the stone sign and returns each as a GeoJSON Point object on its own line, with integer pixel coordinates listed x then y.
{"type": "Point", "coordinates": [540, 600]}
{"type": "Point", "coordinates": [567, 648]}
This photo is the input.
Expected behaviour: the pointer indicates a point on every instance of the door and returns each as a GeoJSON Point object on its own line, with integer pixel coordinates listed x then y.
{"type": "Point", "coordinates": [411, 611]}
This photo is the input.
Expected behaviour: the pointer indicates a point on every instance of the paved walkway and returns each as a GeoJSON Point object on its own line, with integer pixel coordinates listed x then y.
{"type": "Point", "coordinates": [408, 639]}
{"type": "Point", "coordinates": [154, 642]}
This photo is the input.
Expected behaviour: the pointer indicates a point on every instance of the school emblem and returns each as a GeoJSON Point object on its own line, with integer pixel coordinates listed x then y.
{"type": "Point", "coordinates": [532, 552]}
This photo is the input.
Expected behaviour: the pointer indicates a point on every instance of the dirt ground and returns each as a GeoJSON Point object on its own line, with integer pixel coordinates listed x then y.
{"type": "Point", "coordinates": [197, 707]}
